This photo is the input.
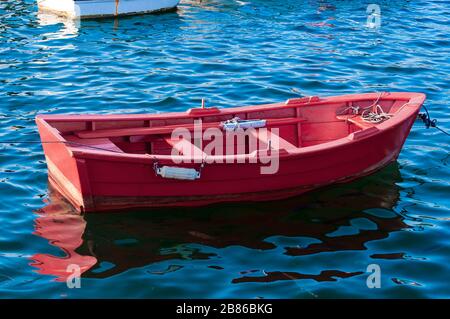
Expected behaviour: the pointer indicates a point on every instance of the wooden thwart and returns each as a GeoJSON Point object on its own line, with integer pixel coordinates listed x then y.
{"type": "Point", "coordinates": [275, 139]}
{"type": "Point", "coordinates": [355, 119]}
{"type": "Point", "coordinates": [182, 145]}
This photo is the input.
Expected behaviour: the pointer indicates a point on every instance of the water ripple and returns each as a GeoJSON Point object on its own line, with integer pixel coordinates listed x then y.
{"type": "Point", "coordinates": [231, 53]}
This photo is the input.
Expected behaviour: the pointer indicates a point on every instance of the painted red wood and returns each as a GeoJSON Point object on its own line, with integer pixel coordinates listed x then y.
{"type": "Point", "coordinates": [317, 148]}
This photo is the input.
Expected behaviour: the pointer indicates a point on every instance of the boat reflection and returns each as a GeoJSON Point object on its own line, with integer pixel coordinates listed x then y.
{"type": "Point", "coordinates": [139, 238]}
{"type": "Point", "coordinates": [64, 229]}
{"type": "Point", "coordinates": [70, 27]}
{"type": "Point", "coordinates": [130, 26]}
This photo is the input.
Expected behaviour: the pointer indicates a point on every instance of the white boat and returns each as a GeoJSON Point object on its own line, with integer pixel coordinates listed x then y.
{"type": "Point", "coordinates": [104, 8]}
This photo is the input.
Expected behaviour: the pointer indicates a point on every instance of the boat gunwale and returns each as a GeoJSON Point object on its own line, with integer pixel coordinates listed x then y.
{"type": "Point", "coordinates": [226, 111]}
{"type": "Point", "coordinates": [412, 99]}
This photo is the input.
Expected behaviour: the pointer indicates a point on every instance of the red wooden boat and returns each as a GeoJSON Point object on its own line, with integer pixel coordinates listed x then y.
{"type": "Point", "coordinates": [107, 162]}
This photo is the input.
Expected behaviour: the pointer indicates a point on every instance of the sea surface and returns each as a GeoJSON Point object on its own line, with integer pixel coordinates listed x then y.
{"type": "Point", "coordinates": [232, 53]}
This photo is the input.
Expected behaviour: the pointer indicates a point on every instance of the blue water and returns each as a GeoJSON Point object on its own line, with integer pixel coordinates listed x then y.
{"type": "Point", "coordinates": [232, 53]}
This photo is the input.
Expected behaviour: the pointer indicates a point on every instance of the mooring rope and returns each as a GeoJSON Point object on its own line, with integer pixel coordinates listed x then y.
{"type": "Point", "coordinates": [426, 119]}
{"type": "Point", "coordinates": [61, 142]}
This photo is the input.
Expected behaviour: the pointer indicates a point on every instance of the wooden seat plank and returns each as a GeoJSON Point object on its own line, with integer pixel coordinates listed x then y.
{"type": "Point", "coordinates": [282, 143]}
{"type": "Point", "coordinates": [355, 119]}
{"type": "Point", "coordinates": [181, 145]}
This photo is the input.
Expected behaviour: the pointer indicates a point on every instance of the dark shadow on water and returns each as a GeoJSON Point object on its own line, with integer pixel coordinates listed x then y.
{"type": "Point", "coordinates": [139, 238]}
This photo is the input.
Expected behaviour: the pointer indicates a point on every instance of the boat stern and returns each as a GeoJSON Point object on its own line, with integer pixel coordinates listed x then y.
{"type": "Point", "coordinates": [66, 173]}
{"type": "Point", "coordinates": [66, 8]}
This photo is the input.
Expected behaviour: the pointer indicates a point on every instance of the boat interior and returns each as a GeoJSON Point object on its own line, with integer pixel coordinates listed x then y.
{"type": "Point", "coordinates": [300, 123]}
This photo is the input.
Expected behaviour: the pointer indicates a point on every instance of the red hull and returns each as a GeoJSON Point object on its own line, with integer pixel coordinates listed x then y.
{"type": "Point", "coordinates": [323, 148]}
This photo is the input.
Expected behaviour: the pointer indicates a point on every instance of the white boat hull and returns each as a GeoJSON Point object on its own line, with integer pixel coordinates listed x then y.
{"type": "Point", "coordinates": [104, 8]}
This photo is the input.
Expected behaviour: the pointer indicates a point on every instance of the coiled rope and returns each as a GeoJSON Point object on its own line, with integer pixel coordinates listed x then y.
{"type": "Point", "coordinates": [373, 113]}
{"type": "Point", "coordinates": [377, 115]}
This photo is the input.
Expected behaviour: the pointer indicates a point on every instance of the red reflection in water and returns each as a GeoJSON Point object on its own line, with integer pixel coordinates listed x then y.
{"type": "Point", "coordinates": [64, 229]}
{"type": "Point", "coordinates": [132, 239]}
